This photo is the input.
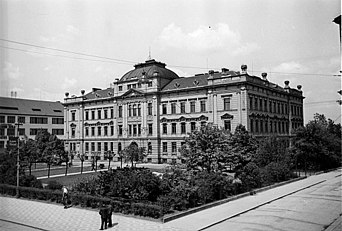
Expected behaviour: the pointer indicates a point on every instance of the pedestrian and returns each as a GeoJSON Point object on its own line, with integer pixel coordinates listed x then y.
{"type": "Point", "coordinates": [104, 216]}
{"type": "Point", "coordinates": [110, 212]}
{"type": "Point", "coordinates": [65, 196]}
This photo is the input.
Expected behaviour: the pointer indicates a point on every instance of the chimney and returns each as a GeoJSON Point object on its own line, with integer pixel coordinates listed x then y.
{"type": "Point", "coordinates": [264, 76]}
{"type": "Point", "coordinates": [224, 70]}
{"type": "Point", "coordinates": [299, 87]}
{"type": "Point", "coordinates": [286, 82]}
{"type": "Point", "coordinates": [211, 74]}
{"type": "Point", "coordinates": [66, 94]}
{"type": "Point", "coordinates": [95, 89]}
{"type": "Point", "coordinates": [243, 69]}
{"type": "Point", "coordinates": [82, 92]}
{"type": "Point", "coordinates": [15, 94]}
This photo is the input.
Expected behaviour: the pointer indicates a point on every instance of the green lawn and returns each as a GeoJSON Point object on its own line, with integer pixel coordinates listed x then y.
{"type": "Point", "coordinates": [71, 179]}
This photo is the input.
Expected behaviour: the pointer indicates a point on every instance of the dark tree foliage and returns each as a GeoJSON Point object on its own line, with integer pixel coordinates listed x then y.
{"type": "Point", "coordinates": [318, 144]}
{"type": "Point", "coordinates": [206, 149]}
{"type": "Point", "coordinates": [134, 153]}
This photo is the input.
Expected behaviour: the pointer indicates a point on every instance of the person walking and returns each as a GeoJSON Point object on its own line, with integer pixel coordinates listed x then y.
{"type": "Point", "coordinates": [109, 215]}
{"type": "Point", "coordinates": [104, 217]}
{"type": "Point", "coordinates": [65, 197]}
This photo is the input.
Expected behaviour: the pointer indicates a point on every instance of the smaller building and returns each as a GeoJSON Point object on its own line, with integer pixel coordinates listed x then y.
{"type": "Point", "coordinates": [25, 117]}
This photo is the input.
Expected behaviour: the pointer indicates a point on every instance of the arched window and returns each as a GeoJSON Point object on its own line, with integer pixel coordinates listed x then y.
{"type": "Point", "coordinates": [119, 147]}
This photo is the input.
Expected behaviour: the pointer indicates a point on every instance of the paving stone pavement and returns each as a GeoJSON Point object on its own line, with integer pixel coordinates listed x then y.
{"type": "Point", "coordinates": [22, 214]}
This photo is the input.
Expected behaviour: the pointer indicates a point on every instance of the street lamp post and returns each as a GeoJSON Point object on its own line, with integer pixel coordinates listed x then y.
{"type": "Point", "coordinates": [18, 160]}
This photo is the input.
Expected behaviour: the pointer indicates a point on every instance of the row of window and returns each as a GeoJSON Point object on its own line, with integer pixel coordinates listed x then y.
{"type": "Point", "coordinates": [272, 106]}
{"type": "Point", "coordinates": [272, 126]}
{"type": "Point", "coordinates": [33, 131]}
{"type": "Point", "coordinates": [106, 113]}
{"type": "Point", "coordinates": [134, 85]}
{"type": "Point", "coordinates": [33, 120]}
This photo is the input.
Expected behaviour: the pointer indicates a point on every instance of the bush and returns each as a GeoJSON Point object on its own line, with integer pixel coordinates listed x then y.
{"type": "Point", "coordinates": [250, 177]}
{"type": "Point", "coordinates": [54, 185]}
{"type": "Point", "coordinates": [30, 181]}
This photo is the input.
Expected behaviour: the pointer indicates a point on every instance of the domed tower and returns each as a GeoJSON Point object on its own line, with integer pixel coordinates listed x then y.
{"type": "Point", "coordinates": [150, 76]}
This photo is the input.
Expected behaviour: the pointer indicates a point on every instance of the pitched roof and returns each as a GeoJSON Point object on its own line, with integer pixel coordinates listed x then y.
{"type": "Point", "coordinates": [99, 93]}
{"type": "Point", "coordinates": [17, 106]}
{"type": "Point", "coordinates": [187, 82]}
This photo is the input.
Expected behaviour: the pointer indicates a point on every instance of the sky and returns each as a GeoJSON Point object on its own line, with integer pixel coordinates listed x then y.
{"type": "Point", "coordinates": [49, 47]}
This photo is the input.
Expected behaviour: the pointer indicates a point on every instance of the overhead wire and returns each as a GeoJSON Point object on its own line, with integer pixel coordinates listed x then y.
{"type": "Point", "coordinates": [127, 62]}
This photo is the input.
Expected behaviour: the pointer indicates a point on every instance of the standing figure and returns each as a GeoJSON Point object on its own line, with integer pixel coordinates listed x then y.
{"type": "Point", "coordinates": [110, 212]}
{"type": "Point", "coordinates": [65, 196]}
{"type": "Point", "coordinates": [104, 216]}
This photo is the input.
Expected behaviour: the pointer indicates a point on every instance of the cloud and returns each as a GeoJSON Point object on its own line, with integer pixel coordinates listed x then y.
{"type": "Point", "coordinates": [11, 71]}
{"type": "Point", "coordinates": [68, 83]}
{"type": "Point", "coordinates": [290, 67]}
{"type": "Point", "coordinates": [205, 39]}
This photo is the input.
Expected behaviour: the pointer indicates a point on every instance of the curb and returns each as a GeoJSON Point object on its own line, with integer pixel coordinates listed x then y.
{"type": "Point", "coordinates": [216, 203]}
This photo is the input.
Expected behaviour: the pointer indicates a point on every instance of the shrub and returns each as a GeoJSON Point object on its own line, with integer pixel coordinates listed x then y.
{"type": "Point", "coordinates": [30, 181]}
{"type": "Point", "coordinates": [54, 185]}
{"type": "Point", "coordinates": [250, 177]}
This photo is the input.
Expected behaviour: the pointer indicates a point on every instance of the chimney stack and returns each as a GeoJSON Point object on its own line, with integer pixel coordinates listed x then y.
{"type": "Point", "coordinates": [224, 70]}
{"type": "Point", "coordinates": [243, 69]}
{"type": "Point", "coordinates": [264, 76]}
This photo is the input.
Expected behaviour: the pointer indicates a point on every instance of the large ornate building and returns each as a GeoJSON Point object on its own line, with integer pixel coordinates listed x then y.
{"type": "Point", "coordinates": [154, 108]}
{"type": "Point", "coordinates": [24, 118]}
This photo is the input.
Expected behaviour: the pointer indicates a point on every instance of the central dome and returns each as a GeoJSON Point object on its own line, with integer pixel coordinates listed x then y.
{"type": "Point", "coordinates": [150, 68]}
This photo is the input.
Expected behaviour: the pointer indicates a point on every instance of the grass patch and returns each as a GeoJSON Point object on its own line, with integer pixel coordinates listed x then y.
{"type": "Point", "coordinates": [70, 180]}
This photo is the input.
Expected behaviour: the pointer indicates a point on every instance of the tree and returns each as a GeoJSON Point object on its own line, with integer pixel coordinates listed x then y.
{"type": "Point", "coordinates": [109, 155]}
{"type": "Point", "coordinates": [242, 146]}
{"type": "Point", "coordinates": [205, 148]}
{"type": "Point", "coordinates": [134, 153]}
{"type": "Point", "coordinates": [30, 154]}
{"type": "Point", "coordinates": [50, 149]}
{"type": "Point", "coordinates": [318, 144]}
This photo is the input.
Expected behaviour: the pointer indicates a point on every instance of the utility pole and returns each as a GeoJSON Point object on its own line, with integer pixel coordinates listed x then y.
{"type": "Point", "coordinates": [18, 160]}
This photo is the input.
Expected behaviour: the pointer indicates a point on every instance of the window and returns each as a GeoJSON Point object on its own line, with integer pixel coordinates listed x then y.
{"type": "Point", "coordinates": [139, 129]}
{"type": "Point", "coordinates": [99, 131]}
{"type": "Point", "coordinates": [203, 106]}
{"type": "Point", "coordinates": [2, 119]}
{"type": "Point", "coordinates": [99, 146]}
{"type": "Point", "coordinates": [22, 131]}
{"type": "Point", "coordinates": [92, 115]}
{"type": "Point", "coordinates": [10, 119]}
{"type": "Point", "coordinates": [111, 113]}
{"type": "Point", "coordinates": [174, 147]}
{"type": "Point", "coordinates": [93, 146]}
{"type": "Point", "coordinates": [261, 126]}
{"type": "Point", "coordinates": [226, 104]}
{"type": "Point", "coordinates": [57, 121]}
{"type": "Point", "coordinates": [11, 131]}
{"type": "Point", "coordinates": [227, 125]}
{"type": "Point", "coordinates": [73, 132]}
{"type": "Point", "coordinates": [129, 110]}
{"type": "Point", "coordinates": [252, 125]}
{"type": "Point", "coordinates": [164, 107]}
{"type": "Point", "coordinates": [139, 85]}
{"type": "Point", "coordinates": [134, 129]}
{"type": "Point", "coordinates": [192, 106]}
{"type": "Point", "coordinates": [182, 106]}
{"type": "Point", "coordinates": [193, 126]}
{"type": "Point", "coordinates": [149, 109]}
{"type": "Point", "coordinates": [2, 132]}
{"type": "Point", "coordinates": [112, 146]}
{"type": "Point", "coordinates": [265, 105]}
{"type": "Point", "coordinates": [33, 131]}
{"type": "Point", "coordinates": [164, 128]}
{"type": "Point", "coordinates": [150, 129]}
{"type": "Point", "coordinates": [21, 119]}
{"type": "Point", "coordinates": [87, 147]}
{"type": "Point", "coordinates": [119, 147]}
{"type": "Point", "coordinates": [173, 128]}
{"type": "Point", "coordinates": [173, 108]}
{"type": "Point", "coordinates": [149, 147]}
{"type": "Point", "coordinates": [105, 113]}
{"type": "Point", "coordinates": [251, 103]}
{"type": "Point", "coordinates": [99, 114]}
{"type": "Point", "coordinates": [260, 105]}
{"type": "Point", "coordinates": [270, 106]}
{"type": "Point", "coordinates": [256, 104]}
{"type": "Point", "coordinates": [112, 130]}
{"type": "Point", "coordinates": [129, 129]}
{"type": "Point", "coordinates": [73, 116]}
{"type": "Point", "coordinates": [38, 120]}
{"type": "Point", "coordinates": [105, 148]}
{"type": "Point", "coordinates": [92, 131]}
{"type": "Point", "coordinates": [183, 128]}
{"type": "Point", "coordinates": [134, 110]}
{"type": "Point", "coordinates": [139, 110]}
{"type": "Point", "coordinates": [86, 131]}
{"type": "Point", "coordinates": [149, 84]}
{"type": "Point", "coordinates": [120, 130]}
{"type": "Point", "coordinates": [203, 123]}
{"type": "Point", "coordinates": [164, 146]}
{"type": "Point", "coordinates": [58, 132]}
{"type": "Point", "coordinates": [105, 131]}
{"type": "Point", "coordinates": [129, 86]}
{"type": "Point", "coordinates": [120, 111]}
{"type": "Point", "coordinates": [120, 88]}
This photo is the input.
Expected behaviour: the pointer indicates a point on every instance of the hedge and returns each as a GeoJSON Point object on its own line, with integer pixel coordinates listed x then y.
{"type": "Point", "coordinates": [83, 200]}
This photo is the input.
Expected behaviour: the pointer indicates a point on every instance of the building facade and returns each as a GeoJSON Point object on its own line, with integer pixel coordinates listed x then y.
{"type": "Point", "coordinates": [25, 118]}
{"type": "Point", "coordinates": [153, 107]}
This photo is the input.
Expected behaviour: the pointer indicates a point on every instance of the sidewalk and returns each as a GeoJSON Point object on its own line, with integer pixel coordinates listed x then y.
{"type": "Point", "coordinates": [32, 215]}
